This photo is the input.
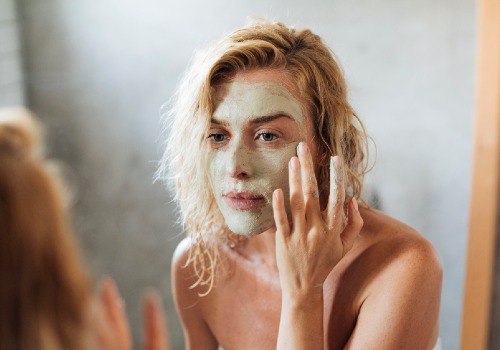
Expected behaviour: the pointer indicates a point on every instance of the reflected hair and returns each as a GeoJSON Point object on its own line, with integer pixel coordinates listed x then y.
{"type": "Point", "coordinates": [259, 45]}
{"type": "Point", "coordinates": [45, 290]}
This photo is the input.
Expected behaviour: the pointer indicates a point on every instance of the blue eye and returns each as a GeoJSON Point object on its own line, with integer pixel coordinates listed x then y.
{"type": "Point", "coordinates": [217, 137]}
{"type": "Point", "coordinates": [267, 136]}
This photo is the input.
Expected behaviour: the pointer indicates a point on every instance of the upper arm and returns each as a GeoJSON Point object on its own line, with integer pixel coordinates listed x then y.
{"type": "Point", "coordinates": [197, 334]}
{"type": "Point", "coordinates": [402, 309]}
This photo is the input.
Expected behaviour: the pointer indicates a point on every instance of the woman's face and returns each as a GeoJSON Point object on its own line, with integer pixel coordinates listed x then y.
{"type": "Point", "coordinates": [258, 122]}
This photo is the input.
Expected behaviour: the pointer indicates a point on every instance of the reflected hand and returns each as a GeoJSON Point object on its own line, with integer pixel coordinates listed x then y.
{"type": "Point", "coordinates": [111, 324]}
{"type": "Point", "coordinates": [155, 330]}
{"type": "Point", "coordinates": [112, 331]}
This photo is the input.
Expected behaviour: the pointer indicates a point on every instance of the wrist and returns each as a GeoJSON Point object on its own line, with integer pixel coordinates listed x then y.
{"type": "Point", "coordinates": [303, 298]}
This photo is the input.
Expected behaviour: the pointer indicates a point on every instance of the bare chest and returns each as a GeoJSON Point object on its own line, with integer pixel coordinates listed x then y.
{"type": "Point", "coordinates": [244, 312]}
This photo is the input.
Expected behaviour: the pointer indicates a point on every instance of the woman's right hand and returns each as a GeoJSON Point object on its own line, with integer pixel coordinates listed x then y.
{"type": "Point", "coordinates": [311, 243]}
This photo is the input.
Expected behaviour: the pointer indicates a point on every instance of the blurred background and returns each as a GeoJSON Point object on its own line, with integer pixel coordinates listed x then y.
{"type": "Point", "coordinates": [97, 73]}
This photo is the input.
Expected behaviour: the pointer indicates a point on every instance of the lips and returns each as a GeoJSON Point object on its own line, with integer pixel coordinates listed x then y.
{"type": "Point", "coordinates": [243, 200]}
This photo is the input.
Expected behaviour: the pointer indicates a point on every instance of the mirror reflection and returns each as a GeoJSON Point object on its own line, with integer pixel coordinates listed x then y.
{"type": "Point", "coordinates": [97, 74]}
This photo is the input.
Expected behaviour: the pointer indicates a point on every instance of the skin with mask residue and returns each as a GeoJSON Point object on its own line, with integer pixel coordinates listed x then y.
{"type": "Point", "coordinates": [308, 277]}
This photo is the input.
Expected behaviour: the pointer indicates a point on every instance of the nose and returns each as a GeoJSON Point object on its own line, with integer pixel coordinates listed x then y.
{"type": "Point", "coordinates": [238, 164]}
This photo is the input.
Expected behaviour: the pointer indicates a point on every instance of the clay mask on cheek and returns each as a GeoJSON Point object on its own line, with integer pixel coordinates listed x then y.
{"type": "Point", "coordinates": [244, 174]}
{"type": "Point", "coordinates": [270, 172]}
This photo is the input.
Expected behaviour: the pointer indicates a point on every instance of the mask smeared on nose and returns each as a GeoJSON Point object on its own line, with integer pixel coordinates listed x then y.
{"type": "Point", "coordinates": [269, 171]}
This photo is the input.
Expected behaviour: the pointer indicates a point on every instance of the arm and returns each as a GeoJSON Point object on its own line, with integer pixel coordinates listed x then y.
{"type": "Point", "coordinates": [188, 303]}
{"type": "Point", "coordinates": [307, 249]}
{"type": "Point", "coordinates": [402, 308]}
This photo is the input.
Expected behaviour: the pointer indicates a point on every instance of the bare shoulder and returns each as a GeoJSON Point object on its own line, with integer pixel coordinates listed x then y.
{"type": "Point", "coordinates": [397, 276]}
{"type": "Point", "coordinates": [183, 276]}
{"type": "Point", "coordinates": [404, 245]}
{"type": "Point", "coordinates": [181, 254]}
{"type": "Point", "coordinates": [401, 258]}
{"type": "Point", "coordinates": [190, 306]}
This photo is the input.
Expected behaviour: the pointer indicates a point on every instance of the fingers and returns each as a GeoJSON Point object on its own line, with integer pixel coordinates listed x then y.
{"type": "Point", "coordinates": [280, 217]}
{"type": "Point", "coordinates": [297, 205]}
{"type": "Point", "coordinates": [102, 333]}
{"type": "Point", "coordinates": [155, 329]}
{"type": "Point", "coordinates": [309, 182]}
{"type": "Point", "coordinates": [353, 227]}
{"type": "Point", "coordinates": [114, 311]}
{"type": "Point", "coordinates": [334, 211]}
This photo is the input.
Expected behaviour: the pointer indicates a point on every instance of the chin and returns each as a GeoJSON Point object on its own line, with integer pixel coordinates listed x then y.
{"type": "Point", "coordinates": [246, 234]}
{"type": "Point", "coordinates": [249, 230]}
{"type": "Point", "coordinates": [248, 223]}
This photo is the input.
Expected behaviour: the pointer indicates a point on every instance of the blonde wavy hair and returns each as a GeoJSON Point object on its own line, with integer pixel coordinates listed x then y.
{"type": "Point", "coordinates": [320, 80]}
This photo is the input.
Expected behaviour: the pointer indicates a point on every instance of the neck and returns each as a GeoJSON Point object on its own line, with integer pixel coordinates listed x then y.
{"type": "Point", "coordinates": [262, 247]}
{"type": "Point", "coordinates": [265, 243]}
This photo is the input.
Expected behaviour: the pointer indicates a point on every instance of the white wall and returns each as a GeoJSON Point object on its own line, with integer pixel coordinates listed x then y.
{"type": "Point", "coordinates": [98, 71]}
{"type": "Point", "coordinates": [11, 78]}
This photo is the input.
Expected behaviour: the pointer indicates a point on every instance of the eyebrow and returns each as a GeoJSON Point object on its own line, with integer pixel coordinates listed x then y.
{"type": "Point", "coordinates": [258, 120]}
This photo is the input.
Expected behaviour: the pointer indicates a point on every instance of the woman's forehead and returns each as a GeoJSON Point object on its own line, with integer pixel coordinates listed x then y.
{"type": "Point", "coordinates": [259, 93]}
{"type": "Point", "coordinates": [270, 75]}
{"type": "Point", "coordinates": [242, 103]}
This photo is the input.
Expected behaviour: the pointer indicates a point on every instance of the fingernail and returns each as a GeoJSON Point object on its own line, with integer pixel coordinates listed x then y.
{"type": "Point", "coordinates": [294, 163]}
{"type": "Point", "coordinates": [277, 194]}
{"type": "Point", "coordinates": [303, 149]}
{"type": "Point", "coordinates": [355, 204]}
{"type": "Point", "coordinates": [121, 303]}
{"type": "Point", "coordinates": [115, 292]}
{"type": "Point", "coordinates": [334, 164]}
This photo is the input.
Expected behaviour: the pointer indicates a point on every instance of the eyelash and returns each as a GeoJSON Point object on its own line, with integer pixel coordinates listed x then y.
{"type": "Point", "coordinates": [267, 133]}
{"type": "Point", "coordinates": [259, 135]}
{"type": "Point", "coordinates": [211, 136]}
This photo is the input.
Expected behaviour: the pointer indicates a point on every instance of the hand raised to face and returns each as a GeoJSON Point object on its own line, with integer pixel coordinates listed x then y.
{"type": "Point", "coordinates": [311, 243]}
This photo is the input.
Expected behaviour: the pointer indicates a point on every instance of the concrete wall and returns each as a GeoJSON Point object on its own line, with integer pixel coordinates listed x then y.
{"type": "Point", "coordinates": [98, 71]}
{"type": "Point", "coordinates": [11, 77]}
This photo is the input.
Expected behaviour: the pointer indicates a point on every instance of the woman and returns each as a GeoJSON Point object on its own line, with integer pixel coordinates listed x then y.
{"type": "Point", "coordinates": [46, 299]}
{"type": "Point", "coordinates": [278, 252]}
